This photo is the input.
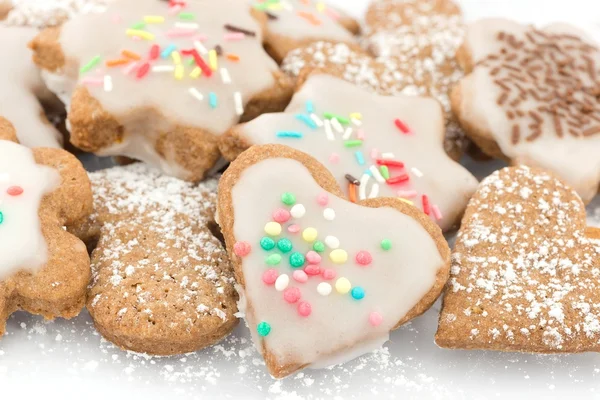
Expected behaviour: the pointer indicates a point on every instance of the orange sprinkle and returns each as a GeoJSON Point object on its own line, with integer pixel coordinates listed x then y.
{"type": "Point", "coordinates": [352, 192]}
{"type": "Point", "coordinates": [309, 17]}
{"type": "Point", "coordinates": [233, 57]}
{"type": "Point", "coordinates": [116, 63]}
{"type": "Point", "coordinates": [131, 54]}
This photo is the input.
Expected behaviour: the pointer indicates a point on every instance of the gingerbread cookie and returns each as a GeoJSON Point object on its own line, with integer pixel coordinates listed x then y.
{"type": "Point", "coordinates": [295, 23]}
{"type": "Point", "coordinates": [5, 7]}
{"type": "Point", "coordinates": [23, 91]}
{"type": "Point", "coordinates": [525, 268]}
{"type": "Point", "coordinates": [45, 270]}
{"type": "Point", "coordinates": [45, 13]}
{"type": "Point", "coordinates": [162, 282]}
{"type": "Point", "coordinates": [165, 81]}
{"type": "Point", "coordinates": [315, 288]}
{"type": "Point", "coordinates": [533, 97]}
{"type": "Point", "coordinates": [373, 145]}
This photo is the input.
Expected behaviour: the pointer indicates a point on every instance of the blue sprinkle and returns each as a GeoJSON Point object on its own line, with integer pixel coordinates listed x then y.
{"type": "Point", "coordinates": [289, 134]}
{"type": "Point", "coordinates": [358, 293]}
{"type": "Point", "coordinates": [310, 108]}
{"type": "Point", "coordinates": [368, 172]}
{"type": "Point", "coordinates": [360, 159]}
{"type": "Point", "coordinates": [212, 100]}
{"type": "Point", "coordinates": [168, 50]}
{"type": "Point", "coordinates": [306, 119]}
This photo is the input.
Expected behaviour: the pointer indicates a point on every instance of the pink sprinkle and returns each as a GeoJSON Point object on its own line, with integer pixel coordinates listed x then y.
{"type": "Point", "coordinates": [234, 36]}
{"type": "Point", "coordinates": [360, 135]}
{"type": "Point", "coordinates": [436, 212]}
{"type": "Point", "coordinates": [332, 14]}
{"type": "Point", "coordinates": [374, 153]}
{"type": "Point", "coordinates": [281, 215]}
{"type": "Point", "coordinates": [312, 270]}
{"type": "Point", "coordinates": [270, 276]}
{"type": "Point", "coordinates": [93, 81]}
{"type": "Point", "coordinates": [323, 199]}
{"type": "Point", "coordinates": [294, 228]}
{"type": "Point", "coordinates": [292, 295]}
{"type": "Point", "coordinates": [329, 274]}
{"type": "Point", "coordinates": [300, 276]}
{"type": "Point", "coordinates": [242, 249]}
{"type": "Point", "coordinates": [375, 318]}
{"type": "Point", "coordinates": [304, 309]}
{"type": "Point", "coordinates": [14, 190]}
{"type": "Point", "coordinates": [407, 194]}
{"type": "Point", "coordinates": [131, 67]}
{"type": "Point", "coordinates": [364, 258]}
{"type": "Point", "coordinates": [175, 33]}
{"type": "Point", "coordinates": [313, 257]}
{"type": "Point", "coordinates": [334, 158]}
{"type": "Point", "coordinates": [175, 9]}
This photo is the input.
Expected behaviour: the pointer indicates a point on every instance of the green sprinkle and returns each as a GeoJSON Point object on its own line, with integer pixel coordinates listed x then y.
{"type": "Point", "coordinates": [386, 244]}
{"type": "Point", "coordinates": [288, 199]}
{"type": "Point", "coordinates": [284, 245]}
{"type": "Point", "coordinates": [319, 246]}
{"type": "Point", "coordinates": [353, 143]}
{"type": "Point", "coordinates": [341, 120]}
{"type": "Point", "coordinates": [267, 243]}
{"type": "Point", "coordinates": [191, 61]}
{"type": "Point", "coordinates": [138, 25]}
{"type": "Point", "coordinates": [187, 16]}
{"type": "Point", "coordinates": [1, 217]}
{"type": "Point", "coordinates": [296, 260]}
{"type": "Point", "coordinates": [274, 259]}
{"type": "Point", "coordinates": [93, 62]}
{"type": "Point", "coordinates": [385, 172]}
{"type": "Point", "coordinates": [263, 329]}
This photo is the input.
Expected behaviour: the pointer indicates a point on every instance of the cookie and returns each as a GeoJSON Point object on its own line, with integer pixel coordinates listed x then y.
{"type": "Point", "coordinates": [45, 13]}
{"type": "Point", "coordinates": [525, 268]}
{"type": "Point", "coordinates": [167, 79]}
{"type": "Point", "coordinates": [295, 23]}
{"type": "Point", "coordinates": [162, 282]}
{"type": "Point", "coordinates": [23, 91]}
{"type": "Point", "coordinates": [373, 145]}
{"type": "Point", "coordinates": [45, 270]}
{"type": "Point", "coordinates": [5, 7]}
{"type": "Point", "coordinates": [314, 289]}
{"type": "Point", "coordinates": [532, 97]}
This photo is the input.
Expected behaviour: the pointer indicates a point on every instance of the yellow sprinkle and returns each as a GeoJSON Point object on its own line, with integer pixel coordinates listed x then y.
{"type": "Point", "coordinates": [139, 33]}
{"type": "Point", "coordinates": [356, 116]}
{"type": "Point", "coordinates": [154, 19]}
{"type": "Point", "coordinates": [272, 228]}
{"type": "Point", "coordinates": [176, 57]}
{"type": "Point", "coordinates": [342, 285]}
{"type": "Point", "coordinates": [212, 60]}
{"type": "Point", "coordinates": [407, 201]}
{"type": "Point", "coordinates": [309, 234]}
{"type": "Point", "coordinates": [196, 73]}
{"type": "Point", "coordinates": [179, 71]}
{"type": "Point", "coordinates": [321, 7]}
{"type": "Point", "coordinates": [338, 256]}
{"type": "Point", "coordinates": [275, 6]}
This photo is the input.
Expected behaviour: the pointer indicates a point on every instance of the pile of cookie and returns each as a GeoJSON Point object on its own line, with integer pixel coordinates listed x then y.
{"type": "Point", "coordinates": [282, 164]}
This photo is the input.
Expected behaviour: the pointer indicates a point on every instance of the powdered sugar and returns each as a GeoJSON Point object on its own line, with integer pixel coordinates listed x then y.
{"type": "Point", "coordinates": [44, 13]}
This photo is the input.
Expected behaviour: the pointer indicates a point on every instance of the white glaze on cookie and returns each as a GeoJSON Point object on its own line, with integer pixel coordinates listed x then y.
{"type": "Point", "coordinates": [572, 151]}
{"type": "Point", "coordinates": [430, 172]}
{"type": "Point", "coordinates": [394, 281]}
{"type": "Point", "coordinates": [23, 183]}
{"type": "Point", "coordinates": [22, 89]}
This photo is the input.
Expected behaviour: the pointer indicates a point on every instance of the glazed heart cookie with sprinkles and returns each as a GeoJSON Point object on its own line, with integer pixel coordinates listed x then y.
{"type": "Point", "coordinates": [322, 280]}
{"type": "Point", "coordinates": [162, 282]}
{"type": "Point", "coordinates": [533, 96]}
{"type": "Point", "coordinates": [167, 78]}
{"type": "Point", "coordinates": [293, 23]}
{"type": "Point", "coordinates": [22, 90]}
{"type": "Point", "coordinates": [43, 192]}
{"type": "Point", "coordinates": [375, 146]}
{"type": "Point", "coordinates": [525, 269]}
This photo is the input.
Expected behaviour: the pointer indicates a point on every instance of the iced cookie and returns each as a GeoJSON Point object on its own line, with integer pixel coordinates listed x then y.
{"type": "Point", "coordinates": [294, 23]}
{"type": "Point", "coordinates": [162, 282]}
{"type": "Point", "coordinates": [374, 146]}
{"type": "Point", "coordinates": [524, 271]}
{"type": "Point", "coordinates": [43, 269]}
{"type": "Point", "coordinates": [533, 97]}
{"type": "Point", "coordinates": [165, 81]}
{"type": "Point", "coordinates": [44, 13]}
{"type": "Point", "coordinates": [22, 90]}
{"type": "Point", "coordinates": [322, 280]}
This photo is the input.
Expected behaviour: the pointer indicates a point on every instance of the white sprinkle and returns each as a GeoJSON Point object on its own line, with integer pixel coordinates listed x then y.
{"type": "Point", "coordinates": [316, 119]}
{"type": "Point", "coordinates": [225, 76]}
{"type": "Point", "coordinates": [324, 289]}
{"type": "Point", "coordinates": [374, 191]}
{"type": "Point", "coordinates": [108, 83]}
{"type": "Point", "coordinates": [332, 242]}
{"type": "Point", "coordinates": [328, 131]}
{"type": "Point", "coordinates": [298, 211]}
{"type": "Point", "coordinates": [387, 156]}
{"type": "Point", "coordinates": [329, 214]}
{"type": "Point", "coordinates": [163, 68]}
{"type": "Point", "coordinates": [286, 5]}
{"type": "Point", "coordinates": [376, 174]}
{"type": "Point", "coordinates": [356, 122]}
{"type": "Point", "coordinates": [362, 188]}
{"type": "Point", "coordinates": [239, 105]}
{"type": "Point", "coordinates": [200, 47]}
{"type": "Point", "coordinates": [417, 172]}
{"type": "Point", "coordinates": [336, 125]}
{"type": "Point", "coordinates": [186, 25]}
{"type": "Point", "coordinates": [196, 94]}
{"type": "Point", "coordinates": [347, 134]}
{"type": "Point", "coordinates": [282, 282]}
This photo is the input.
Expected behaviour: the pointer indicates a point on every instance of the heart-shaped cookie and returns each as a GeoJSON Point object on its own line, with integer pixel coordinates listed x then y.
{"type": "Point", "coordinates": [525, 269]}
{"type": "Point", "coordinates": [322, 280]}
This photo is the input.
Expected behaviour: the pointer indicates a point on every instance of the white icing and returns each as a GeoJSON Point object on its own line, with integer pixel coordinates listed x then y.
{"type": "Point", "coordinates": [22, 245]}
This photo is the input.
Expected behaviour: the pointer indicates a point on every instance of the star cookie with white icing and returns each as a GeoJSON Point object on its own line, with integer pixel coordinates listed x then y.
{"type": "Point", "coordinates": [321, 279]}
{"type": "Point", "coordinates": [375, 146]}
{"type": "Point", "coordinates": [533, 96]}
{"type": "Point", "coordinates": [166, 80]}
{"type": "Point", "coordinates": [525, 269]}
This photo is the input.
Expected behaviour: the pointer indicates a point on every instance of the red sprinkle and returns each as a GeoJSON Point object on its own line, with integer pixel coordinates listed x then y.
{"type": "Point", "coordinates": [292, 295]}
{"type": "Point", "coordinates": [281, 215]}
{"type": "Point", "coordinates": [143, 71]}
{"type": "Point", "coordinates": [154, 51]}
{"type": "Point", "coordinates": [402, 126]}
{"type": "Point", "coordinates": [199, 61]}
{"type": "Point", "coordinates": [364, 258]}
{"type": "Point", "coordinates": [270, 276]}
{"type": "Point", "coordinates": [242, 249]}
{"type": "Point", "coordinates": [312, 270]}
{"type": "Point", "coordinates": [304, 309]}
{"type": "Point", "coordinates": [426, 207]}
{"type": "Point", "coordinates": [329, 274]}
{"type": "Point", "coordinates": [14, 190]}
{"type": "Point", "coordinates": [390, 163]}
{"type": "Point", "coordinates": [398, 179]}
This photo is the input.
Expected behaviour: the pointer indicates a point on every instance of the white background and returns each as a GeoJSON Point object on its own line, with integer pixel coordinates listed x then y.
{"type": "Point", "coordinates": [68, 359]}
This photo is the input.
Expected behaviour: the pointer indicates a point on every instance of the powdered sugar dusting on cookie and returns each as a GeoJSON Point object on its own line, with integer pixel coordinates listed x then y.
{"type": "Point", "coordinates": [44, 13]}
